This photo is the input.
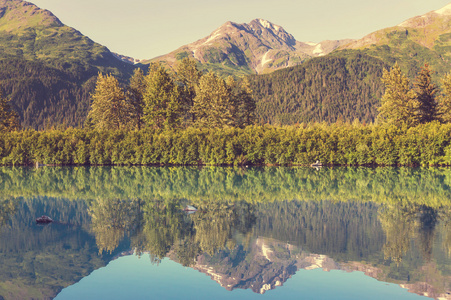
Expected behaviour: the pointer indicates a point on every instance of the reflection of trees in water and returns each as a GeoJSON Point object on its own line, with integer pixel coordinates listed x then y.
{"type": "Point", "coordinates": [112, 219]}
{"type": "Point", "coordinates": [216, 223]}
{"type": "Point", "coordinates": [445, 217]}
{"type": "Point", "coordinates": [343, 230]}
{"type": "Point", "coordinates": [406, 221]}
{"type": "Point", "coordinates": [429, 186]}
{"type": "Point", "coordinates": [41, 260]}
{"type": "Point", "coordinates": [7, 209]}
{"type": "Point", "coordinates": [163, 225]}
{"type": "Point", "coordinates": [398, 228]}
{"type": "Point", "coordinates": [427, 219]}
{"type": "Point", "coordinates": [158, 227]}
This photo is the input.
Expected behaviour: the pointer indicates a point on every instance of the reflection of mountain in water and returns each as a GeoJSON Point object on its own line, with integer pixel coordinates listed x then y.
{"type": "Point", "coordinates": [261, 271]}
{"type": "Point", "coordinates": [252, 242]}
{"type": "Point", "coordinates": [347, 236]}
{"type": "Point", "coordinates": [260, 246]}
{"type": "Point", "coordinates": [233, 269]}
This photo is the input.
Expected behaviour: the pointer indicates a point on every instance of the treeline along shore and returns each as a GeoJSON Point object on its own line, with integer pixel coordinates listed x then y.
{"type": "Point", "coordinates": [191, 118]}
{"type": "Point", "coordinates": [332, 144]}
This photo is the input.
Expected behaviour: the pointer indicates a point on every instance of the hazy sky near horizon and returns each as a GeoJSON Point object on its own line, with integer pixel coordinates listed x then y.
{"type": "Point", "coordinates": [149, 28]}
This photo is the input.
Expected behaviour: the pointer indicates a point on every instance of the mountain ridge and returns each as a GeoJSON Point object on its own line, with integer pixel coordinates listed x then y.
{"type": "Point", "coordinates": [250, 48]}
{"type": "Point", "coordinates": [423, 29]}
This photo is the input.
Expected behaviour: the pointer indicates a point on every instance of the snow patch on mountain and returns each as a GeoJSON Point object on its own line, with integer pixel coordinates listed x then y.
{"type": "Point", "coordinates": [444, 11]}
{"type": "Point", "coordinates": [215, 34]}
{"type": "Point", "coordinates": [265, 59]}
{"type": "Point", "coordinates": [404, 24]}
{"type": "Point", "coordinates": [318, 263]}
{"type": "Point", "coordinates": [266, 251]}
{"type": "Point", "coordinates": [318, 50]}
{"type": "Point", "coordinates": [265, 23]}
{"type": "Point", "coordinates": [194, 54]}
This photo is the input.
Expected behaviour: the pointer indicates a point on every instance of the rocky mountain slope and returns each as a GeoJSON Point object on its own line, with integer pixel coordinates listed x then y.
{"type": "Point", "coordinates": [345, 85]}
{"type": "Point", "coordinates": [257, 47]}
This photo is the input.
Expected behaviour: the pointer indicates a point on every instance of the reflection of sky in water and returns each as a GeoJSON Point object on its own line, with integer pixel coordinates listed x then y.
{"type": "Point", "coordinates": [131, 277]}
{"type": "Point", "coordinates": [262, 242]}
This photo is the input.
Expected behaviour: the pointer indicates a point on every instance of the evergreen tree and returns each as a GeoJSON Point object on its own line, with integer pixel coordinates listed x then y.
{"type": "Point", "coordinates": [134, 94]}
{"type": "Point", "coordinates": [162, 107]}
{"type": "Point", "coordinates": [399, 102]}
{"type": "Point", "coordinates": [444, 106]}
{"type": "Point", "coordinates": [9, 119]}
{"type": "Point", "coordinates": [425, 94]}
{"type": "Point", "coordinates": [213, 102]}
{"type": "Point", "coordinates": [188, 76]}
{"type": "Point", "coordinates": [109, 108]}
{"type": "Point", "coordinates": [243, 103]}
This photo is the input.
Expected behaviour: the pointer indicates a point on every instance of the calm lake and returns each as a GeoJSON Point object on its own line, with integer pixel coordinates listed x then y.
{"type": "Point", "coordinates": [258, 233]}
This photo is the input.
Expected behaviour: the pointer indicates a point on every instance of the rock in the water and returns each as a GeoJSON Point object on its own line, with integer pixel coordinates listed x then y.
{"type": "Point", "coordinates": [44, 220]}
{"type": "Point", "coordinates": [190, 208]}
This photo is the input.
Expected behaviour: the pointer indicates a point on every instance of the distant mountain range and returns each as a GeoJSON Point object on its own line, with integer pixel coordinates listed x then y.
{"type": "Point", "coordinates": [258, 47]}
{"type": "Point", "coordinates": [49, 69]}
{"type": "Point", "coordinates": [345, 85]}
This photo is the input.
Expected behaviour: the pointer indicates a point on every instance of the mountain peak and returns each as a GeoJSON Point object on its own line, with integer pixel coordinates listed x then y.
{"type": "Point", "coordinates": [444, 10]}
{"type": "Point", "coordinates": [255, 47]}
{"type": "Point", "coordinates": [266, 24]}
{"type": "Point", "coordinates": [429, 18]}
{"type": "Point", "coordinates": [18, 15]}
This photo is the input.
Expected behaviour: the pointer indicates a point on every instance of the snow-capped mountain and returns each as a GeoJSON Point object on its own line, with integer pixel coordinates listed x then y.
{"type": "Point", "coordinates": [257, 47]}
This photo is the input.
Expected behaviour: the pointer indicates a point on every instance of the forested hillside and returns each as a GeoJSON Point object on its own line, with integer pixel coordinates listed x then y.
{"type": "Point", "coordinates": [414, 42]}
{"type": "Point", "coordinates": [47, 69]}
{"type": "Point", "coordinates": [343, 86]}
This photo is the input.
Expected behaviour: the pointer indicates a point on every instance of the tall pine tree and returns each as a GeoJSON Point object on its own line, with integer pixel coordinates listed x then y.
{"type": "Point", "coordinates": [399, 103]}
{"type": "Point", "coordinates": [162, 107]}
{"type": "Point", "coordinates": [243, 103]}
{"type": "Point", "coordinates": [188, 77]}
{"type": "Point", "coordinates": [213, 102]}
{"type": "Point", "coordinates": [109, 108]}
{"type": "Point", "coordinates": [134, 95]}
{"type": "Point", "coordinates": [9, 120]}
{"type": "Point", "coordinates": [425, 95]}
{"type": "Point", "coordinates": [444, 106]}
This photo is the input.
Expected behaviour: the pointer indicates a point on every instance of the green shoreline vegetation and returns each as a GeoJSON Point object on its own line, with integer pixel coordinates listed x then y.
{"type": "Point", "coordinates": [336, 144]}
{"type": "Point", "coordinates": [185, 117]}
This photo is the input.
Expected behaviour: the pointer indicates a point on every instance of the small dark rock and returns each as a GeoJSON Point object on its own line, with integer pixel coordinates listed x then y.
{"type": "Point", "coordinates": [44, 220]}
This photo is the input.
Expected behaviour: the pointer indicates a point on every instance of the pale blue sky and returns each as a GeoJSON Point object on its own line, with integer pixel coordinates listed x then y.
{"type": "Point", "coordinates": [148, 28]}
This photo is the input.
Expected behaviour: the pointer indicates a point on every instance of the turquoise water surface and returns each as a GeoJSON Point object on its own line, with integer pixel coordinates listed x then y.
{"type": "Point", "coordinates": [258, 233]}
{"type": "Point", "coordinates": [131, 277]}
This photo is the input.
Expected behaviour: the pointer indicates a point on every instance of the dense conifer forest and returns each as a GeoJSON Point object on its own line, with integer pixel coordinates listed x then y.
{"type": "Point", "coordinates": [326, 89]}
